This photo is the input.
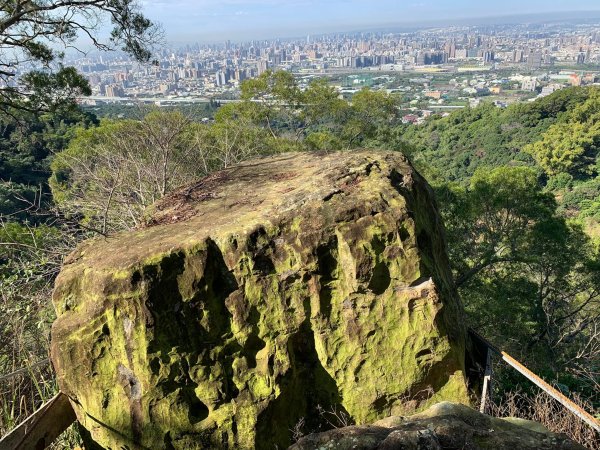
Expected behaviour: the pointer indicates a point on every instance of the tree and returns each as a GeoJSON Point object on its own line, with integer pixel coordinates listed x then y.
{"type": "Point", "coordinates": [315, 116]}
{"type": "Point", "coordinates": [32, 30]}
{"type": "Point", "coordinates": [108, 175]}
{"type": "Point", "coordinates": [231, 139]}
{"type": "Point", "coordinates": [572, 146]}
{"type": "Point", "coordinates": [371, 112]}
{"type": "Point", "coordinates": [487, 136]}
{"type": "Point", "coordinates": [530, 280]}
{"type": "Point", "coordinates": [272, 100]}
{"type": "Point", "coordinates": [27, 144]}
{"type": "Point", "coordinates": [322, 115]}
{"type": "Point", "coordinates": [566, 148]}
{"type": "Point", "coordinates": [491, 221]}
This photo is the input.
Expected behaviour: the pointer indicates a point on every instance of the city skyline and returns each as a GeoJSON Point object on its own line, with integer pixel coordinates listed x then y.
{"type": "Point", "coordinates": [210, 21]}
{"type": "Point", "coordinates": [531, 57]}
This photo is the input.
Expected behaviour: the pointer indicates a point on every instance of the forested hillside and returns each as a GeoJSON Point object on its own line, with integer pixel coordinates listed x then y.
{"type": "Point", "coordinates": [488, 136]}
{"type": "Point", "coordinates": [518, 189]}
{"type": "Point", "coordinates": [520, 194]}
{"type": "Point", "coordinates": [557, 136]}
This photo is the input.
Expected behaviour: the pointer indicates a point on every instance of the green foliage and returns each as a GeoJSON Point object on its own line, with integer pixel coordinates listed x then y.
{"type": "Point", "coordinates": [322, 141]}
{"type": "Point", "coordinates": [279, 85]}
{"type": "Point", "coordinates": [231, 139]}
{"type": "Point", "coordinates": [270, 101]}
{"type": "Point", "coordinates": [109, 174]}
{"type": "Point", "coordinates": [321, 104]}
{"type": "Point", "coordinates": [32, 248]}
{"type": "Point", "coordinates": [27, 144]}
{"type": "Point", "coordinates": [195, 111]}
{"type": "Point", "coordinates": [30, 258]}
{"type": "Point", "coordinates": [512, 185]}
{"type": "Point", "coordinates": [316, 118]}
{"type": "Point", "coordinates": [557, 136]}
{"type": "Point", "coordinates": [529, 278]}
{"type": "Point", "coordinates": [582, 200]}
{"type": "Point", "coordinates": [370, 115]}
{"type": "Point", "coordinates": [50, 91]}
{"type": "Point", "coordinates": [493, 219]}
{"type": "Point", "coordinates": [559, 181]}
{"type": "Point", "coordinates": [32, 32]}
{"type": "Point", "coordinates": [571, 146]}
{"type": "Point", "coordinates": [487, 136]}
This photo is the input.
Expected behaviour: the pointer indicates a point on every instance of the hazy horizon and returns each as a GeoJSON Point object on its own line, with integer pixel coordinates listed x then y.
{"type": "Point", "coordinates": [208, 20]}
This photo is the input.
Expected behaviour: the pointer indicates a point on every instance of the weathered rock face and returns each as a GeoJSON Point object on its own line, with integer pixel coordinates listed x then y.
{"type": "Point", "coordinates": [445, 426]}
{"type": "Point", "coordinates": [256, 295]}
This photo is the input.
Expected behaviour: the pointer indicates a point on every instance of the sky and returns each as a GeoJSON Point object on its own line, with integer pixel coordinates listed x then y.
{"type": "Point", "coordinates": [215, 20]}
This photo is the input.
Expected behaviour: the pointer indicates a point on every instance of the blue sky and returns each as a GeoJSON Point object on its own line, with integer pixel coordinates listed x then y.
{"type": "Point", "coordinates": [214, 20]}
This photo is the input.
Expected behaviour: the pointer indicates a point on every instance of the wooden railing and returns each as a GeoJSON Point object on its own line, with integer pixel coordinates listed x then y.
{"type": "Point", "coordinates": [551, 391]}
{"type": "Point", "coordinates": [40, 429]}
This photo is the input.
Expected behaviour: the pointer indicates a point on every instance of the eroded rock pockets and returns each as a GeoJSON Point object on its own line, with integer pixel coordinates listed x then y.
{"type": "Point", "coordinates": [328, 288]}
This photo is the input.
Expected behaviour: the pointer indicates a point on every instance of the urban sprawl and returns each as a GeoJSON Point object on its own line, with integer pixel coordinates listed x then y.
{"type": "Point", "coordinates": [433, 70]}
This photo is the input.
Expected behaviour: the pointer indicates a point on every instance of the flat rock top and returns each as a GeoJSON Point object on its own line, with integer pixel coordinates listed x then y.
{"type": "Point", "coordinates": [238, 199]}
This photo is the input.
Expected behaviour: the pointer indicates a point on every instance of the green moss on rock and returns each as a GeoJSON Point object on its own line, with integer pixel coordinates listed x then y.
{"type": "Point", "coordinates": [300, 281]}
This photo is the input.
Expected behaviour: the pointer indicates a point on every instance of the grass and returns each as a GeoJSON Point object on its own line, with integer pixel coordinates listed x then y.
{"type": "Point", "coordinates": [23, 394]}
{"type": "Point", "coordinates": [542, 408]}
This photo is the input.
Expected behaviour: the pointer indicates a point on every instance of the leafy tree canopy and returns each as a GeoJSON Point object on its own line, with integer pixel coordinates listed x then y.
{"type": "Point", "coordinates": [487, 136]}
{"type": "Point", "coordinates": [529, 278]}
{"type": "Point", "coordinates": [316, 117]}
{"type": "Point", "coordinates": [108, 175]}
{"type": "Point", "coordinates": [32, 31]}
{"type": "Point", "coordinates": [571, 146]}
{"type": "Point", "coordinates": [27, 145]}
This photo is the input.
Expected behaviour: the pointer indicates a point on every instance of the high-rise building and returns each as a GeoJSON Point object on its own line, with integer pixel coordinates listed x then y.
{"type": "Point", "coordinates": [262, 67]}
{"type": "Point", "coordinates": [220, 78]}
{"type": "Point", "coordinates": [461, 53]}
{"type": "Point", "coordinates": [114, 90]}
{"type": "Point", "coordinates": [534, 59]}
{"type": "Point", "coordinates": [239, 75]}
{"type": "Point", "coordinates": [518, 56]}
{"type": "Point", "coordinates": [450, 49]}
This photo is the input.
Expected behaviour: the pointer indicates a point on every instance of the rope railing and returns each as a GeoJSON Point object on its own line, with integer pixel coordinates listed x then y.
{"type": "Point", "coordinates": [24, 370]}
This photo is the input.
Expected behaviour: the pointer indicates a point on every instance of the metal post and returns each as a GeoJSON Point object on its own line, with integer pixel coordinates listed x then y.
{"type": "Point", "coordinates": [487, 381]}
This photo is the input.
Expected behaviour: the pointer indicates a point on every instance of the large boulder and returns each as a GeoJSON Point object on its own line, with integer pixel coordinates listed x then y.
{"type": "Point", "coordinates": [257, 296]}
{"type": "Point", "coordinates": [445, 426]}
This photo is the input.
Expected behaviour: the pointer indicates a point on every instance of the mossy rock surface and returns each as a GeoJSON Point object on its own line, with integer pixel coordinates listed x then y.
{"type": "Point", "coordinates": [256, 296]}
